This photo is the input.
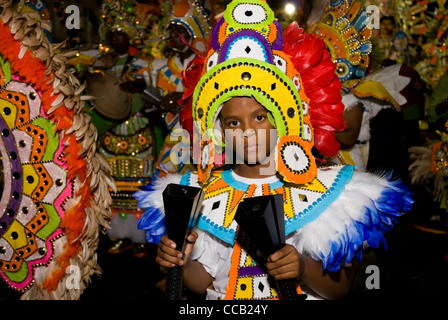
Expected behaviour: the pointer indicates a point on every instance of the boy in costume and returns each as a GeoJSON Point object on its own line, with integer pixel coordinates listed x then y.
{"type": "Point", "coordinates": [276, 96]}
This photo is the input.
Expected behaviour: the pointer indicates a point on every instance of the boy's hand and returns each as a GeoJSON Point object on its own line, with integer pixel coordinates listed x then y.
{"type": "Point", "coordinates": [167, 254]}
{"type": "Point", "coordinates": [284, 263]}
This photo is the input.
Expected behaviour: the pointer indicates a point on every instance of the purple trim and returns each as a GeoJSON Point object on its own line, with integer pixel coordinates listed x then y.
{"type": "Point", "coordinates": [251, 271]}
{"type": "Point", "coordinates": [245, 33]}
{"type": "Point", "coordinates": [215, 34]}
{"type": "Point", "coordinates": [278, 43]}
{"type": "Point", "coordinates": [13, 204]}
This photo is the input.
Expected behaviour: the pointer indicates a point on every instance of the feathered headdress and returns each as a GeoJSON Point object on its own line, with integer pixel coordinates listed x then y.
{"type": "Point", "coordinates": [290, 74]}
{"type": "Point", "coordinates": [55, 192]}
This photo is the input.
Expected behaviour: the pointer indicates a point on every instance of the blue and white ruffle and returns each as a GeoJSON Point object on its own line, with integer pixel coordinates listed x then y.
{"type": "Point", "coordinates": [367, 208]}
{"type": "Point", "coordinates": [153, 220]}
{"type": "Point", "coordinates": [360, 213]}
{"type": "Point", "coordinates": [151, 200]}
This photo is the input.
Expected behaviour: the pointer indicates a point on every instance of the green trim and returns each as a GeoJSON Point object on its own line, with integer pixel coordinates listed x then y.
{"type": "Point", "coordinates": [6, 68]}
{"type": "Point", "coordinates": [54, 221]}
{"type": "Point", "coordinates": [53, 137]}
{"type": "Point", "coordinates": [231, 6]}
{"type": "Point", "coordinates": [211, 107]}
{"type": "Point", "coordinates": [20, 275]}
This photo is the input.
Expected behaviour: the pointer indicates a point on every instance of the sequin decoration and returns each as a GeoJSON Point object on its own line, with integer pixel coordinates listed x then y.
{"type": "Point", "coordinates": [347, 36]}
{"type": "Point", "coordinates": [129, 149]}
{"type": "Point", "coordinates": [35, 185]}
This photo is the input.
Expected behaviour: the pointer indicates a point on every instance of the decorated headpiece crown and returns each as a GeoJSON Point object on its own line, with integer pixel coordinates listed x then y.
{"type": "Point", "coordinates": [246, 59]}
{"type": "Point", "coordinates": [193, 17]}
{"type": "Point", "coordinates": [347, 35]}
{"type": "Point", "coordinates": [121, 16]}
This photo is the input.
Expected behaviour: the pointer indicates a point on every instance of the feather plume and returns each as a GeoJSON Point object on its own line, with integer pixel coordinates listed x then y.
{"type": "Point", "coordinates": [150, 198]}
{"type": "Point", "coordinates": [312, 60]}
{"type": "Point", "coordinates": [33, 58]}
{"type": "Point", "coordinates": [367, 208]}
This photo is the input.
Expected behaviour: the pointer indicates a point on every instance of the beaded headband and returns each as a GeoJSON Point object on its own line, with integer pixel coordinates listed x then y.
{"type": "Point", "coordinates": [246, 59]}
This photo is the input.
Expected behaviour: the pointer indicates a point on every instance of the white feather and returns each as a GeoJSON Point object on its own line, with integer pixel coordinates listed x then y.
{"type": "Point", "coordinates": [420, 169]}
{"type": "Point", "coordinates": [154, 198]}
{"type": "Point", "coordinates": [392, 81]}
{"type": "Point", "coordinates": [314, 239]}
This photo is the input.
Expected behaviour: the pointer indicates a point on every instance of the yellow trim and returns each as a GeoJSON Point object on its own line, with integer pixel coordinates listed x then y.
{"type": "Point", "coordinates": [374, 89]}
{"type": "Point", "coordinates": [347, 157]}
{"type": "Point", "coordinates": [217, 80]}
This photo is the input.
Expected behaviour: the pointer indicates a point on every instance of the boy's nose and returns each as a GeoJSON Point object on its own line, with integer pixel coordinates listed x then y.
{"type": "Point", "coordinates": [246, 125]}
{"type": "Point", "coordinates": [248, 129]}
{"type": "Point", "coordinates": [249, 133]}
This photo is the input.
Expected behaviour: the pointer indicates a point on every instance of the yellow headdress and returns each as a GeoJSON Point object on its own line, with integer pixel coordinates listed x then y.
{"type": "Point", "coordinates": [246, 59]}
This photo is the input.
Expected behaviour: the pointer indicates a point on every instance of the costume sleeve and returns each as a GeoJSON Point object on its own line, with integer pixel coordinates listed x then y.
{"type": "Point", "coordinates": [211, 252]}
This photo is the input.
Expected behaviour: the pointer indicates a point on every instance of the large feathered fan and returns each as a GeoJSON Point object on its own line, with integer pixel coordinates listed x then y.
{"type": "Point", "coordinates": [54, 186]}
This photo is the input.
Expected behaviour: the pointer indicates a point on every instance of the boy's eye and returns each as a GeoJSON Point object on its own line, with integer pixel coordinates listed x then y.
{"type": "Point", "coordinates": [260, 118]}
{"type": "Point", "coordinates": [233, 123]}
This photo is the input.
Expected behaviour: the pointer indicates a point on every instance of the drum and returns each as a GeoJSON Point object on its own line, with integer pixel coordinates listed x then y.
{"type": "Point", "coordinates": [112, 105]}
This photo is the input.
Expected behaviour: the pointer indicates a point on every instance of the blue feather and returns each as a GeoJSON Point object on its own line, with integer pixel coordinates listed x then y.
{"type": "Point", "coordinates": [378, 217]}
{"type": "Point", "coordinates": [153, 222]}
{"type": "Point", "coordinates": [359, 254]}
{"type": "Point", "coordinates": [144, 200]}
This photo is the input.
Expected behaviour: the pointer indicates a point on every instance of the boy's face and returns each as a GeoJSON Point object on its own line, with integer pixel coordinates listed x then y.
{"type": "Point", "coordinates": [248, 130]}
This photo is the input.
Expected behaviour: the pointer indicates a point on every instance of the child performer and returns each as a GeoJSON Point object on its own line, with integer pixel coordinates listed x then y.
{"type": "Point", "coordinates": [272, 98]}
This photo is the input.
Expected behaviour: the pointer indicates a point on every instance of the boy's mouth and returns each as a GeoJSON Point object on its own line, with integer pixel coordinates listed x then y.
{"type": "Point", "coordinates": [251, 147]}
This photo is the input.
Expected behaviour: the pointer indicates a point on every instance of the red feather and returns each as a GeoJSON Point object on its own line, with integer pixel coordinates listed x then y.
{"type": "Point", "coordinates": [312, 60]}
{"type": "Point", "coordinates": [191, 77]}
